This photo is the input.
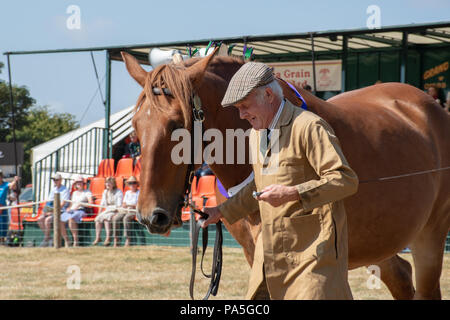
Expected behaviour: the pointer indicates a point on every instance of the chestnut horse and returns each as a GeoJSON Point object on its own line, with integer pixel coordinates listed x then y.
{"type": "Point", "coordinates": [385, 130]}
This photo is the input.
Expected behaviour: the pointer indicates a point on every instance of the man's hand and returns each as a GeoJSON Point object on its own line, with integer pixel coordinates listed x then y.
{"type": "Point", "coordinates": [276, 194]}
{"type": "Point", "coordinates": [214, 216]}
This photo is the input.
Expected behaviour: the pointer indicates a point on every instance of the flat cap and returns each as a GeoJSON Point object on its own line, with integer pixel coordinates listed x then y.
{"type": "Point", "coordinates": [250, 76]}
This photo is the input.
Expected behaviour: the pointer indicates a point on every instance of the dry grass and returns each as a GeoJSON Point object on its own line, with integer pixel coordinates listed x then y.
{"type": "Point", "coordinates": [144, 272]}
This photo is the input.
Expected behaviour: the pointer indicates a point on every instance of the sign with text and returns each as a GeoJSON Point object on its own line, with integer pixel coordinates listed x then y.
{"type": "Point", "coordinates": [300, 73]}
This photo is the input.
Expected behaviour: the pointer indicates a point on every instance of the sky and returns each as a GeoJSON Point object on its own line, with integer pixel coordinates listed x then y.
{"type": "Point", "coordinates": [66, 82]}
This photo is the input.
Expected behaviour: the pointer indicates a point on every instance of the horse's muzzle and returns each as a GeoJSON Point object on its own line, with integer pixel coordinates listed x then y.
{"type": "Point", "coordinates": [158, 222]}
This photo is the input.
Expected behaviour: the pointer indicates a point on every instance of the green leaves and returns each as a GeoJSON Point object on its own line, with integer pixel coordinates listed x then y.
{"type": "Point", "coordinates": [34, 124]}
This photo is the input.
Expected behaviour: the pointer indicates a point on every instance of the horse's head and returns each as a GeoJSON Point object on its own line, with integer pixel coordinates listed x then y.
{"type": "Point", "coordinates": [164, 105]}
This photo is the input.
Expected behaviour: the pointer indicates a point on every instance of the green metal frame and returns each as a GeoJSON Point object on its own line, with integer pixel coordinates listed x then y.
{"type": "Point", "coordinates": [75, 157]}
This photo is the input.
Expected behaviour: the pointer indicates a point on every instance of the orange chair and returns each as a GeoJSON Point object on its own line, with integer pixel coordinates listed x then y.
{"type": "Point", "coordinates": [106, 168]}
{"type": "Point", "coordinates": [137, 169]}
{"type": "Point", "coordinates": [120, 181]}
{"type": "Point", "coordinates": [29, 217]}
{"type": "Point", "coordinates": [205, 190]}
{"type": "Point", "coordinates": [97, 187]}
{"type": "Point", "coordinates": [95, 210]}
{"type": "Point", "coordinates": [206, 186]}
{"type": "Point", "coordinates": [14, 222]}
{"type": "Point", "coordinates": [124, 168]}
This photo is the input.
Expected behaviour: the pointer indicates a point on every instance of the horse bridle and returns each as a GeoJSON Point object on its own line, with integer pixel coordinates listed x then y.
{"type": "Point", "coordinates": [195, 226]}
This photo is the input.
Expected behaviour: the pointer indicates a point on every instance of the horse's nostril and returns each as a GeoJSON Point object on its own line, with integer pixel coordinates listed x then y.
{"type": "Point", "coordinates": [159, 217]}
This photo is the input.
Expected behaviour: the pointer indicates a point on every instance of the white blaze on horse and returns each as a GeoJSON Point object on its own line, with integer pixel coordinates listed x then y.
{"type": "Point", "coordinates": [386, 130]}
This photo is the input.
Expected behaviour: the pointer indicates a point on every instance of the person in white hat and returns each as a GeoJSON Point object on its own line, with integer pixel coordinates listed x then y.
{"type": "Point", "coordinates": [125, 215]}
{"type": "Point", "coordinates": [76, 211]}
{"type": "Point", "coordinates": [45, 220]}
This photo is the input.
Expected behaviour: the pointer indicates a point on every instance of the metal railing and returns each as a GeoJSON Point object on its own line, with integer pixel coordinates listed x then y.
{"type": "Point", "coordinates": [82, 156]}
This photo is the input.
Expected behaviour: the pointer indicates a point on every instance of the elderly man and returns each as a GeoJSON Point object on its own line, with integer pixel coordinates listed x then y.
{"type": "Point", "coordinates": [45, 221]}
{"type": "Point", "coordinates": [301, 252]}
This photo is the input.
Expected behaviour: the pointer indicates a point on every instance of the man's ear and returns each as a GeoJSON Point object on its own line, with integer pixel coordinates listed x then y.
{"type": "Point", "coordinates": [197, 71]}
{"type": "Point", "coordinates": [134, 68]}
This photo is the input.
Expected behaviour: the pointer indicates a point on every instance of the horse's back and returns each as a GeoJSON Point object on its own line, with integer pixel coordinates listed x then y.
{"type": "Point", "coordinates": [388, 130]}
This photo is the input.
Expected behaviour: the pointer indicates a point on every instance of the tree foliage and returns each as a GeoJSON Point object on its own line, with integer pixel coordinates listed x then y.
{"type": "Point", "coordinates": [34, 124]}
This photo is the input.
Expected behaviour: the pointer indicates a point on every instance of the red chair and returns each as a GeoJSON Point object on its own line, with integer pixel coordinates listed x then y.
{"type": "Point", "coordinates": [120, 182]}
{"type": "Point", "coordinates": [204, 191]}
{"type": "Point", "coordinates": [94, 212]}
{"type": "Point", "coordinates": [30, 218]}
{"type": "Point", "coordinates": [124, 168]}
{"type": "Point", "coordinates": [97, 187]}
{"type": "Point", "coordinates": [106, 168]}
{"type": "Point", "coordinates": [14, 222]}
{"type": "Point", "coordinates": [137, 169]}
{"type": "Point", "coordinates": [206, 186]}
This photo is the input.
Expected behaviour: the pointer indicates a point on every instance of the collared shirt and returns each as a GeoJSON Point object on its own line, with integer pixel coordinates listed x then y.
{"type": "Point", "coordinates": [276, 117]}
{"type": "Point", "coordinates": [65, 194]}
{"type": "Point", "coordinates": [266, 138]}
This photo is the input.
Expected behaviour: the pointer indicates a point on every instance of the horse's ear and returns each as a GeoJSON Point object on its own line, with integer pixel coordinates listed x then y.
{"type": "Point", "coordinates": [197, 71]}
{"type": "Point", "coordinates": [134, 68]}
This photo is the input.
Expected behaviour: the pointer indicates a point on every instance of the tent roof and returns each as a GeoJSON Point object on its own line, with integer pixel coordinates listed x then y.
{"type": "Point", "coordinates": [296, 43]}
{"type": "Point", "coordinates": [123, 116]}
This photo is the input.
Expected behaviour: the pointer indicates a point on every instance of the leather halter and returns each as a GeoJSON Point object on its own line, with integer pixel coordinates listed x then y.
{"type": "Point", "coordinates": [195, 226]}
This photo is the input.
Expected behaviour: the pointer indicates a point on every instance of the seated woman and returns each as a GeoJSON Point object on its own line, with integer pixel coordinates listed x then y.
{"type": "Point", "coordinates": [129, 202]}
{"type": "Point", "coordinates": [76, 211]}
{"type": "Point", "coordinates": [112, 199]}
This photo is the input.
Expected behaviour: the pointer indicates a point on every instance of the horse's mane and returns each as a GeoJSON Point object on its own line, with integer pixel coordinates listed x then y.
{"type": "Point", "coordinates": [174, 77]}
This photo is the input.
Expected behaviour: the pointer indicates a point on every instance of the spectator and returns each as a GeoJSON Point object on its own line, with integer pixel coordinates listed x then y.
{"type": "Point", "coordinates": [447, 102]}
{"type": "Point", "coordinates": [4, 218]}
{"type": "Point", "coordinates": [45, 221]}
{"type": "Point", "coordinates": [134, 147]}
{"type": "Point", "coordinates": [378, 82]}
{"type": "Point", "coordinates": [112, 199]}
{"type": "Point", "coordinates": [434, 92]}
{"type": "Point", "coordinates": [76, 211]}
{"type": "Point", "coordinates": [125, 215]}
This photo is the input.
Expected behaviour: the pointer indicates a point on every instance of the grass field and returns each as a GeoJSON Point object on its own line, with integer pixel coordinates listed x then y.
{"type": "Point", "coordinates": [142, 272]}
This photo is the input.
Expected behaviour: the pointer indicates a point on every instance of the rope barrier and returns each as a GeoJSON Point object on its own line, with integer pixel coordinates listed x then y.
{"type": "Point", "coordinates": [84, 204]}
{"type": "Point", "coordinates": [405, 175]}
{"type": "Point", "coordinates": [30, 204]}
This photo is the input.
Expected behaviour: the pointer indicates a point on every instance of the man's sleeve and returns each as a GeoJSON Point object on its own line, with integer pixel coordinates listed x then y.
{"type": "Point", "coordinates": [336, 179]}
{"type": "Point", "coordinates": [240, 205]}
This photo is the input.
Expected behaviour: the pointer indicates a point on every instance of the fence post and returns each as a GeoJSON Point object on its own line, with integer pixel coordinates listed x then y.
{"type": "Point", "coordinates": [56, 219]}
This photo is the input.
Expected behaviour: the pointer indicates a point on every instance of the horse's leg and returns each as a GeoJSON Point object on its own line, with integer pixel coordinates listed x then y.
{"type": "Point", "coordinates": [428, 251]}
{"type": "Point", "coordinates": [396, 273]}
{"type": "Point", "coordinates": [240, 231]}
{"type": "Point", "coordinates": [245, 231]}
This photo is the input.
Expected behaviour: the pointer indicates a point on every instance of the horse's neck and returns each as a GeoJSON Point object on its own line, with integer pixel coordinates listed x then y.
{"type": "Point", "coordinates": [217, 117]}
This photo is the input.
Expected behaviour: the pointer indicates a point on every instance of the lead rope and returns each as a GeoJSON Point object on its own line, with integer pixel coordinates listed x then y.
{"type": "Point", "coordinates": [216, 270]}
{"type": "Point", "coordinates": [195, 226]}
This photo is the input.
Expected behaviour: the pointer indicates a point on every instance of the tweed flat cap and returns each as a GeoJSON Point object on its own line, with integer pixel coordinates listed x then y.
{"type": "Point", "coordinates": [250, 76]}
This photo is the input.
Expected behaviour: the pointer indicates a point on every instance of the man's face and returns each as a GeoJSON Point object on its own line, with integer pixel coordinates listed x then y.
{"type": "Point", "coordinates": [57, 182]}
{"type": "Point", "coordinates": [258, 110]}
